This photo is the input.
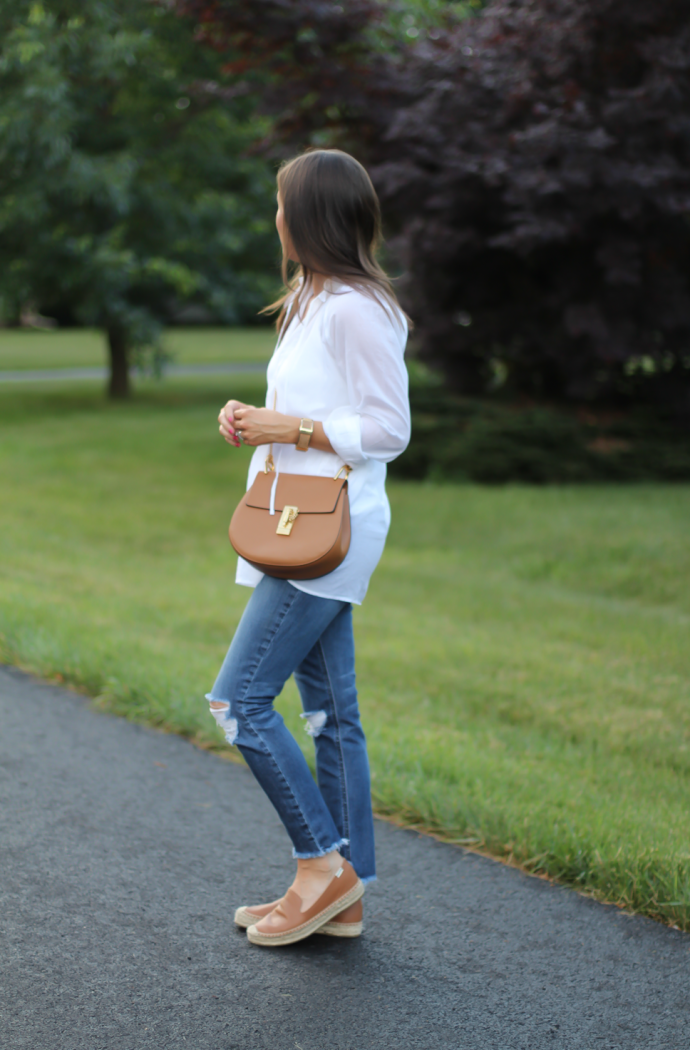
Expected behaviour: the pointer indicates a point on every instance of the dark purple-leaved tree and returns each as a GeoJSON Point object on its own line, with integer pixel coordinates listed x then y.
{"type": "Point", "coordinates": [534, 167]}
{"type": "Point", "coordinates": [541, 182]}
{"type": "Point", "coordinates": [320, 68]}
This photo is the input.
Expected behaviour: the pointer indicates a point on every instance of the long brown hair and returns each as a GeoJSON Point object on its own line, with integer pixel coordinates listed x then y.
{"type": "Point", "coordinates": [333, 221]}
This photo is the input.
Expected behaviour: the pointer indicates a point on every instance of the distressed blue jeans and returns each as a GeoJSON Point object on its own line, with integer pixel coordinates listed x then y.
{"type": "Point", "coordinates": [284, 631]}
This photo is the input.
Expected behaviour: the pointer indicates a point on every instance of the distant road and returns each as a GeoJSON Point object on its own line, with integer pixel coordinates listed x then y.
{"type": "Point", "coordinates": [125, 851]}
{"type": "Point", "coordinates": [48, 375]}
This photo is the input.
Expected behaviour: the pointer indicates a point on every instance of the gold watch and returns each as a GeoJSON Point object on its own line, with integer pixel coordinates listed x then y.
{"type": "Point", "coordinates": [306, 429]}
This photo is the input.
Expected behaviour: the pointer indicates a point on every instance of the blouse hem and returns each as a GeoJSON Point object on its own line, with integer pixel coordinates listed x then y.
{"type": "Point", "coordinates": [298, 586]}
{"type": "Point", "coordinates": [331, 597]}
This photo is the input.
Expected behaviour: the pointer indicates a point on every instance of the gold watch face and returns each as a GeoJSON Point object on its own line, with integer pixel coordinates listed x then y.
{"type": "Point", "coordinates": [306, 429]}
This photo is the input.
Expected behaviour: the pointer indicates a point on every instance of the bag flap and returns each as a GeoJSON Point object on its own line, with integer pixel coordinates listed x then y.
{"type": "Point", "coordinates": [310, 494]}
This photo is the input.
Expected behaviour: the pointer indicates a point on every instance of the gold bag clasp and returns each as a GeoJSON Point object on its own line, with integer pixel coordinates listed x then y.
{"type": "Point", "coordinates": [287, 520]}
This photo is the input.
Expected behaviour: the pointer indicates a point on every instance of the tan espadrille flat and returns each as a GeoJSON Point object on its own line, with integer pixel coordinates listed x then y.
{"type": "Point", "coordinates": [249, 914]}
{"type": "Point", "coordinates": [348, 923]}
{"type": "Point", "coordinates": [290, 924]}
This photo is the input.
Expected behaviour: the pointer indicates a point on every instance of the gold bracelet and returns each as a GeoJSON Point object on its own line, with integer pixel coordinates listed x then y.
{"type": "Point", "coordinates": [306, 429]}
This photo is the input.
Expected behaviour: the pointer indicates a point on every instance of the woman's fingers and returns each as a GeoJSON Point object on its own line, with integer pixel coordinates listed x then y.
{"type": "Point", "coordinates": [230, 438]}
{"type": "Point", "coordinates": [245, 424]}
{"type": "Point", "coordinates": [232, 423]}
{"type": "Point", "coordinates": [227, 414]}
{"type": "Point", "coordinates": [226, 428]}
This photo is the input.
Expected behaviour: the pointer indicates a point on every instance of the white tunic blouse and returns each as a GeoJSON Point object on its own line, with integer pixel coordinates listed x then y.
{"type": "Point", "coordinates": [343, 364]}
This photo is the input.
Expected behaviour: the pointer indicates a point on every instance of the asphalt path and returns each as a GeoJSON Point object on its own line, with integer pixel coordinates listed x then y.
{"type": "Point", "coordinates": [49, 375]}
{"type": "Point", "coordinates": [125, 852]}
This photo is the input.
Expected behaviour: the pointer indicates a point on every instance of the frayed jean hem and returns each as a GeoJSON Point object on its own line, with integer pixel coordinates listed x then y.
{"type": "Point", "coordinates": [368, 879]}
{"type": "Point", "coordinates": [321, 852]}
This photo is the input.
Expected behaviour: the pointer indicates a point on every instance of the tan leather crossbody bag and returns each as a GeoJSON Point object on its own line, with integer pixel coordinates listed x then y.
{"type": "Point", "coordinates": [293, 526]}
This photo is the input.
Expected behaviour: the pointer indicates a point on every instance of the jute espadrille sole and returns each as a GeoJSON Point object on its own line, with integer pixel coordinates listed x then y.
{"type": "Point", "coordinates": [245, 918]}
{"type": "Point", "coordinates": [341, 929]}
{"type": "Point", "coordinates": [298, 933]}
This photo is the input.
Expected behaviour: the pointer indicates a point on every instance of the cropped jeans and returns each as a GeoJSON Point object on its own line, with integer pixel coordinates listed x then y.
{"type": "Point", "coordinates": [284, 631]}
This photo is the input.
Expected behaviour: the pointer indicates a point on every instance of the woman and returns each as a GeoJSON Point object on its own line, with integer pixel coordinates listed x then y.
{"type": "Point", "coordinates": [337, 391]}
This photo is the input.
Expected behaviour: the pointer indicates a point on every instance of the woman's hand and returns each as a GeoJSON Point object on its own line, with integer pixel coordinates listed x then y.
{"type": "Point", "coordinates": [262, 426]}
{"type": "Point", "coordinates": [226, 419]}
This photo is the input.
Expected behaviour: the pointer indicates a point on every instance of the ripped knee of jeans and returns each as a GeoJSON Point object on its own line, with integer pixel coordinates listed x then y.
{"type": "Point", "coordinates": [316, 721]}
{"type": "Point", "coordinates": [220, 709]}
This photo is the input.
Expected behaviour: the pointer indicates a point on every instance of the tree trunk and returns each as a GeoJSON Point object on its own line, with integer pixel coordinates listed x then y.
{"type": "Point", "coordinates": [118, 385]}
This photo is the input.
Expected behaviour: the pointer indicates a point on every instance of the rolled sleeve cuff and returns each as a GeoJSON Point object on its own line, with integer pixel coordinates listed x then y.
{"type": "Point", "coordinates": [343, 429]}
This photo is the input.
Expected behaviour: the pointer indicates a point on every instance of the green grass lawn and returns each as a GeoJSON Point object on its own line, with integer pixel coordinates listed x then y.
{"type": "Point", "coordinates": [26, 348]}
{"type": "Point", "coordinates": [523, 654]}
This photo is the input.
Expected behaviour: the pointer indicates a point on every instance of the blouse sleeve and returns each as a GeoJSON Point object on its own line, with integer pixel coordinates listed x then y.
{"type": "Point", "coordinates": [369, 345]}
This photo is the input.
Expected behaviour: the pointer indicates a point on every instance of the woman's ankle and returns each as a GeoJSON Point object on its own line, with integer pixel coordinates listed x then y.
{"type": "Point", "coordinates": [329, 862]}
{"type": "Point", "coordinates": [314, 875]}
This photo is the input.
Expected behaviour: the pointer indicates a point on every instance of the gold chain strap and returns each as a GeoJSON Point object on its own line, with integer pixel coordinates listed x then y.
{"type": "Point", "coordinates": [269, 464]}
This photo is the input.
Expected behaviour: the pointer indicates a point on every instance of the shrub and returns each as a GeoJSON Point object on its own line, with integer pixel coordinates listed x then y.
{"type": "Point", "coordinates": [478, 440]}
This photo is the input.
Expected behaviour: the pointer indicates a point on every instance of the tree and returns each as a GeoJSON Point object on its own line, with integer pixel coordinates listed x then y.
{"type": "Point", "coordinates": [534, 165]}
{"type": "Point", "coordinates": [315, 65]}
{"type": "Point", "coordinates": [325, 72]}
{"type": "Point", "coordinates": [542, 183]}
{"type": "Point", "coordinates": [124, 180]}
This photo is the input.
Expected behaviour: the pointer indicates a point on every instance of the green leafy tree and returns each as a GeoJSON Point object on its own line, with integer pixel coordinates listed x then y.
{"type": "Point", "coordinates": [125, 183]}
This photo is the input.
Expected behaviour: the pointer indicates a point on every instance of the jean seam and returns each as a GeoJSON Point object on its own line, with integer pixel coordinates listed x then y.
{"type": "Point", "coordinates": [245, 718]}
{"type": "Point", "coordinates": [341, 765]}
{"type": "Point", "coordinates": [285, 781]}
{"type": "Point", "coordinates": [262, 652]}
